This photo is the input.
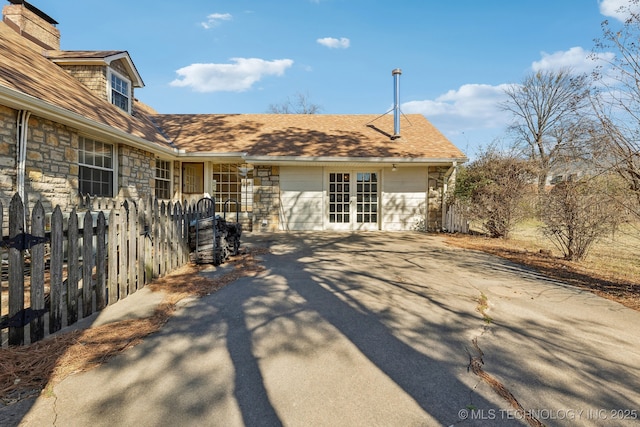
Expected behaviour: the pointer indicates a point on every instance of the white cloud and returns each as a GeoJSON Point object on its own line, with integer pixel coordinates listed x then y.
{"type": "Point", "coordinates": [611, 8]}
{"type": "Point", "coordinates": [214, 19]}
{"type": "Point", "coordinates": [238, 76]}
{"type": "Point", "coordinates": [471, 107]}
{"type": "Point", "coordinates": [576, 59]}
{"type": "Point", "coordinates": [333, 43]}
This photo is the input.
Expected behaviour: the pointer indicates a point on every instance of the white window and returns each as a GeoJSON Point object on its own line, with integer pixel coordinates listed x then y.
{"type": "Point", "coordinates": [233, 182]}
{"type": "Point", "coordinates": [120, 89]}
{"type": "Point", "coordinates": [163, 179]}
{"type": "Point", "coordinates": [96, 167]}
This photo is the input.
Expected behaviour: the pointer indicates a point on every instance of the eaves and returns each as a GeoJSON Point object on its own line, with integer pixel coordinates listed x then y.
{"type": "Point", "coordinates": [20, 101]}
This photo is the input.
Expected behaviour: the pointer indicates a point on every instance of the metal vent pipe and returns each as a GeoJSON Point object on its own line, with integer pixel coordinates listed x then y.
{"type": "Point", "coordinates": [396, 102]}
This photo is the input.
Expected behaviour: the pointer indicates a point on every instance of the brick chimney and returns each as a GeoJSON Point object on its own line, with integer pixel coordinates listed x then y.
{"type": "Point", "coordinates": [32, 24]}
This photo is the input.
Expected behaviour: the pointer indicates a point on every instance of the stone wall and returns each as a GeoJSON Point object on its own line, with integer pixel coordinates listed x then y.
{"type": "Point", "coordinates": [92, 76]}
{"type": "Point", "coordinates": [31, 26]}
{"type": "Point", "coordinates": [436, 194]}
{"type": "Point", "coordinates": [266, 198]}
{"type": "Point", "coordinates": [136, 172]}
{"type": "Point", "coordinates": [51, 167]}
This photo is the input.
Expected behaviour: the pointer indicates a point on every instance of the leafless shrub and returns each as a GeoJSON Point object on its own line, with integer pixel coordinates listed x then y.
{"type": "Point", "coordinates": [576, 214]}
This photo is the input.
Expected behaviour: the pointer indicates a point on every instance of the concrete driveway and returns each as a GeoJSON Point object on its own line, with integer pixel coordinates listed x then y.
{"type": "Point", "coordinates": [371, 329]}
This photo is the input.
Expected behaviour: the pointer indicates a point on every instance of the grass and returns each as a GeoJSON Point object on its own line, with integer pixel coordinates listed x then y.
{"type": "Point", "coordinates": [611, 269]}
{"type": "Point", "coordinates": [483, 306]}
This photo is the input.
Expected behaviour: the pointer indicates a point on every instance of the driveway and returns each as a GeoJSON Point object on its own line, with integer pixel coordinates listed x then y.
{"type": "Point", "coordinates": [371, 329]}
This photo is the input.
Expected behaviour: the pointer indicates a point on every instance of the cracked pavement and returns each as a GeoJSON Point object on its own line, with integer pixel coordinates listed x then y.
{"type": "Point", "coordinates": [369, 329]}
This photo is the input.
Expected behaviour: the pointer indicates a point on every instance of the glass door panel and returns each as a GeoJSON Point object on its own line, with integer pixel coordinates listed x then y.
{"type": "Point", "coordinates": [366, 198]}
{"type": "Point", "coordinates": [339, 197]}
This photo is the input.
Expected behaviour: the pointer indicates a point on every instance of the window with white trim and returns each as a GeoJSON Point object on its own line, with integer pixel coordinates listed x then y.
{"type": "Point", "coordinates": [233, 181]}
{"type": "Point", "coordinates": [120, 91]}
{"type": "Point", "coordinates": [96, 167]}
{"type": "Point", "coordinates": [163, 179]}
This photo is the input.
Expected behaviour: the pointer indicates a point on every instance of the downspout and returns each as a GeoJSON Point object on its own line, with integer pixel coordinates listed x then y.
{"type": "Point", "coordinates": [21, 156]}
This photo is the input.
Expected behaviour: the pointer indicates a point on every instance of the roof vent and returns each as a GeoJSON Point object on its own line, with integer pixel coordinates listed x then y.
{"type": "Point", "coordinates": [396, 102]}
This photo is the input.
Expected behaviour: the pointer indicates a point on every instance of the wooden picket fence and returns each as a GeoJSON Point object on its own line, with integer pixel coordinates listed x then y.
{"type": "Point", "coordinates": [455, 220]}
{"type": "Point", "coordinates": [59, 267]}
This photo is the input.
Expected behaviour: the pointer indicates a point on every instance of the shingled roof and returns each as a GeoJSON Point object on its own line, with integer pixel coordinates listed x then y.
{"type": "Point", "coordinates": [308, 135]}
{"type": "Point", "coordinates": [31, 77]}
{"type": "Point", "coordinates": [30, 80]}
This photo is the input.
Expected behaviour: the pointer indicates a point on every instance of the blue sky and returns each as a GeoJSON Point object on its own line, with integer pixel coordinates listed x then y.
{"type": "Point", "coordinates": [241, 56]}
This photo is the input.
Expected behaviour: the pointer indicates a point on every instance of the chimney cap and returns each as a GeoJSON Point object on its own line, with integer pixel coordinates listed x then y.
{"type": "Point", "coordinates": [396, 71]}
{"type": "Point", "coordinates": [35, 10]}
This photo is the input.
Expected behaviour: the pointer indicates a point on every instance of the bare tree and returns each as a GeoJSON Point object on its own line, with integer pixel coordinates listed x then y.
{"type": "Point", "coordinates": [549, 109]}
{"type": "Point", "coordinates": [300, 104]}
{"type": "Point", "coordinates": [617, 102]}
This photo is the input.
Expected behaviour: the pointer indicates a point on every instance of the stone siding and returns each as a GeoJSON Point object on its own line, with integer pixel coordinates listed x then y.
{"type": "Point", "coordinates": [92, 76]}
{"type": "Point", "coordinates": [51, 166]}
{"type": "Point", "coordinates": [136, 172]}
{"type": "Point", "coordinates": [436, 194]}
{"type": "Point", "coordinates": [32, 27]}
{"type": "Point", "coordinates": [266, 198]}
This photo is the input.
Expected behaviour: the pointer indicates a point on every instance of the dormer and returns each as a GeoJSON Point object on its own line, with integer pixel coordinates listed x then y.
{"type": "Point", "coordinates": [111, 75]}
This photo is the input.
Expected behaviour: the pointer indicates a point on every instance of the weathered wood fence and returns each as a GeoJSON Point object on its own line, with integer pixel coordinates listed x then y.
{"type": "Point", "coordinates": [455, 221]}
{"type": "Point", "coordinates": [58, 267]}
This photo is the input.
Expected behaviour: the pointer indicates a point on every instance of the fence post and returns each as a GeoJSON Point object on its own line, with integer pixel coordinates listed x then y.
{"type": "Point", "coordinates": [132, 258]}
{"type": "Point", "coordinates": [148, 241]}
{"type": "Point", "coordinates": [163, 239]}
{"type": "Point", "coordinates": [172, 240]}
{"type": "Point", "coordinates": [156, 239]}
{"type": "Point", "coordinates": [112, 275]}
{"type": "Point", "coordinates": [73, 265]}
{"type": "Point", "coordinates": [87, 264]}
{"type": "Point", "coordinates": [16, 268]}
{"type": "Point", "coordinates": [141, 243]}
{"type": "Point", "coordinates": [101, 256]}
{"type": "Point", "coordinates": [55, 269]}
{"type": "Point", "coordinates": [123, 253]}
{"type": "Point", "coordinates": [37, 272]}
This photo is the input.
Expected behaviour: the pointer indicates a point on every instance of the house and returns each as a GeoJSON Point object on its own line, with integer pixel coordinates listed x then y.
{"type": "Point", "coordinates": [70, 124]}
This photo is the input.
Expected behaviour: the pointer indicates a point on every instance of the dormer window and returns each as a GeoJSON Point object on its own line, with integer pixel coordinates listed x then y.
{"type": "Point", "coordinates": [120, 92]}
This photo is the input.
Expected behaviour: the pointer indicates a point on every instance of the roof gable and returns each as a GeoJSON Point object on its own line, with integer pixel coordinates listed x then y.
{"type": "Point", "coordinates": [97, 57]}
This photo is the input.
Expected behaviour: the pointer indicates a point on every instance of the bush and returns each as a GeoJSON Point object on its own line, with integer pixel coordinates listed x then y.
{"type": "Point", "coordinates": [577, 214]}
{"type": "Point", "coordinates": [493, 188]}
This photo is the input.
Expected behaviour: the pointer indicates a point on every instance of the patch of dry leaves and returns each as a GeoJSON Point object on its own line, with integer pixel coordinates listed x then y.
{"type": "Point", "coordinates": [621, 290]}
{"type": "Point", "coordinates": [27, 370]}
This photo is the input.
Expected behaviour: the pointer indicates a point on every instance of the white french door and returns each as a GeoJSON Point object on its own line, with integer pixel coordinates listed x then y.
{"type": "Point", "coordinates": [353, 200]}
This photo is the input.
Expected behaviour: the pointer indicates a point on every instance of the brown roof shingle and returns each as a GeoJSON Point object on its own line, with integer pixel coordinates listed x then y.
{"type": "Point", "coordinates": [25, 70]}
{"type": "Point", "coordinates": [277, 135]}
{"type": "Point", "coordinates": [307, 135]}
